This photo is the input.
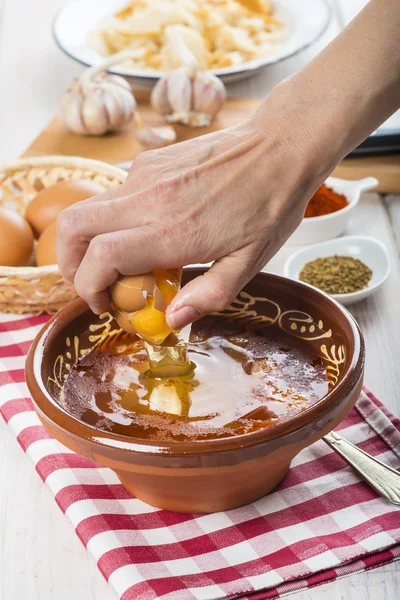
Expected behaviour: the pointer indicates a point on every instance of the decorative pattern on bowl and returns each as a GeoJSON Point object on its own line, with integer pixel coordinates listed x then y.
{"type": "Point", "coordinates": [298, 324]}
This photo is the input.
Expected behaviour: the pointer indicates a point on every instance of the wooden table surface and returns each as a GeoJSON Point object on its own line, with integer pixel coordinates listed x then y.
{"type": "Point", "coordinates": [40, 556]}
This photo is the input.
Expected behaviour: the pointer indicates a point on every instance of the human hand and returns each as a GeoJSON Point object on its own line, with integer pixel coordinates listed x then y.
{"type": "Point", "coordinates": [232, 197]}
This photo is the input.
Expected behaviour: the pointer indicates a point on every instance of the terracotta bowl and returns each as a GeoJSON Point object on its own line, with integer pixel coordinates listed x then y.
{"type": "Point", "coordinates": [207, 476]}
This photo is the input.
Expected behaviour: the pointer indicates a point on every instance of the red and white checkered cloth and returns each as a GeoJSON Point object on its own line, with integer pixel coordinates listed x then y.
{"type": "Point", "coordinates": [321, 523]}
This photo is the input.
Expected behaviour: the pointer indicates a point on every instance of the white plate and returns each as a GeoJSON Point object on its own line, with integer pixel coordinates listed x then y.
{"type": "Point", "coordinates": [306, 21]}
{"type": "Point", "coordinates": [370, 251]}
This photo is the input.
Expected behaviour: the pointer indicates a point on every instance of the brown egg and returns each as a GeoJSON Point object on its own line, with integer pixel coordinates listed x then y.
{"type": "Point", "coordinates": [129, 293]}
{"type": "Point", "coordinates": [44, 207]}
{"type": "Point", "coordinates": [46, 246]}
{"type": "Point", "coordinates": [16, 239]}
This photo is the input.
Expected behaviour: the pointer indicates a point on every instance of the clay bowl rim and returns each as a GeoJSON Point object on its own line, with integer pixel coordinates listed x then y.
{"type": "Point", "coordinates": [51, 411]}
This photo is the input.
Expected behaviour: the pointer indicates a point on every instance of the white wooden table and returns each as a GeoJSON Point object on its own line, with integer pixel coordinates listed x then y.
{"type": "Point", "coordinates": [40, 556]}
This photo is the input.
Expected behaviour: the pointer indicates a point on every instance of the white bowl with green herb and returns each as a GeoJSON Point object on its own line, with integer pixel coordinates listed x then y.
{"type": "Point", "coordinates": [354, 262]}
{"type": "Point", "coordinates": [318, 229]}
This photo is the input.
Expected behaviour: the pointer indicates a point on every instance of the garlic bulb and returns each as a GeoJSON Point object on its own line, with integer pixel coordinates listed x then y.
{"type": "Point", "coordinates": [97, 102]}
{"type": "Point", "coordinates": [187, 95]}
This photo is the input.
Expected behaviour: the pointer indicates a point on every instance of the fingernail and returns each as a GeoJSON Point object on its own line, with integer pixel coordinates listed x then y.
{"type": "Point", "coordinates": [99, 309]}
{"type": "Point", "coordinates": [183, 316]}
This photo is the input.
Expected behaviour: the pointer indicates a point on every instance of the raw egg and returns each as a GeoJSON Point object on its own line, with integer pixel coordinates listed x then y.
{"type": "Point", "coordinates": [16, 239]}
{"type": "Point", "coordinates": [44, 208]}
{"type": "Point", "coordinates": [46, 247]}
{"type": "Point", "coordinates": [139, 303]}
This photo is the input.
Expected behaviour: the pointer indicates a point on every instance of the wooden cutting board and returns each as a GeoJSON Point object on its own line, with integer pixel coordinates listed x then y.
{"type": "Point", "coordinates": [122, 146]}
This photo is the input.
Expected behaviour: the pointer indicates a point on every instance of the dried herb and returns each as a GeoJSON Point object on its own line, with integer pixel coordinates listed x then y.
{"type": "Point", "coordinates": [336, 274]}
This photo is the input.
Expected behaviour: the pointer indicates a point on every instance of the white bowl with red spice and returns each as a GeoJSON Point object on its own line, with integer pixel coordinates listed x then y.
{"type": "Point", "coordinates": [316, 229]}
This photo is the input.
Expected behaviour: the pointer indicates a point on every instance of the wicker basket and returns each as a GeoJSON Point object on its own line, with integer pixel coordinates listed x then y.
{"type": "Point", "coordinates": [42, 289]}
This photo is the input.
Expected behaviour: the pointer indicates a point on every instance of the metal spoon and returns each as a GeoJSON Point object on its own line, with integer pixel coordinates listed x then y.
{"type": "Point", "coordinates": [380, 477]}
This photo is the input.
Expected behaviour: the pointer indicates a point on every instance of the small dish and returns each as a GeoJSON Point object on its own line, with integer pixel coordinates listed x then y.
{"type": "Point", "coordinates": [305, 21]}
{"type": "Point", "coordinates": [370, 251]}
{"type": "Point", "coordinates": [318, 229]}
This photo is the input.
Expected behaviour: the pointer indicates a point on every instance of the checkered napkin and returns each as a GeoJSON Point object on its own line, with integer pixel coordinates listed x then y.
{"type": "Point", "coordinates": [321, 523]}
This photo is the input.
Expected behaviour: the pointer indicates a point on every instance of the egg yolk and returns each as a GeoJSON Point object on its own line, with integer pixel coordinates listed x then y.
{"type": "Point", "coordinates": [149, 322]}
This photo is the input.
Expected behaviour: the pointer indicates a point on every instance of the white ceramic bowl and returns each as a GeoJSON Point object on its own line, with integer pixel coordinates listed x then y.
{"type": "Point", "coordinates": [370, 251]}
{"type": "Point", "coordinates": [305, 22]}
{"type": "Point", "coordinates": [317, 229]}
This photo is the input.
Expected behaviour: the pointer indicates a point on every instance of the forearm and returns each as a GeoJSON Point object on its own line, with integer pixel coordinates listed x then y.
{"type": "Point", "coordinates": [235, 196]}
{"type": "Point", "coordinates": [349, 89]}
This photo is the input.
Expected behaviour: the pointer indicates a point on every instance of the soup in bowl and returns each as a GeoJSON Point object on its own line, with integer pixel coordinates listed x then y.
{"type": "Point", "coordinates": [270, 375]}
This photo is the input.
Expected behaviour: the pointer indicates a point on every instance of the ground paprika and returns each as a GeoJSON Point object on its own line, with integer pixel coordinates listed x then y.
{"type": "Point", "coordinates": [324, 202]}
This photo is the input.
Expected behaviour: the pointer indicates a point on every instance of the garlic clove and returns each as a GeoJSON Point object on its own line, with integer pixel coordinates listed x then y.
{"type": "Point", "coordinates": [159, 97]}
{"type": "Point", "coordinates": [119, 104]}
{"type": "Point", "coordinates": [209, 94]}
{"type": "Point", "coordinates": [94, 113]}
{"type": "Point", "coordinates": [179, 92]}
{"type": "Point", "coordinates": [127, 107]}
{"type": "Point", "coordinates": [119, 81]}
{"type": "Point", "coordinates": [113, 109]}
{"type": "Point", "coordinates": [121, 91]}
{"type": "Point", "coordinates": [70, 110]}
{"type": "Point", "coordinates": [154, 137]}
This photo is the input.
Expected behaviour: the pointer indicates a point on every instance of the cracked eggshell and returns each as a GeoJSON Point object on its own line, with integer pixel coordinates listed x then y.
{"type": "Point", "coordinates": [123, 319]}
{"type": "Point", "coordinates": [159, 300]}
{"type": "Point", "coordinates": [129, 294]}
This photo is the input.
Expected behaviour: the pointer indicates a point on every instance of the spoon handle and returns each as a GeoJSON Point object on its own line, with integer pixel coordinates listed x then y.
{"type": "Point", "coordinates": [382, 478]}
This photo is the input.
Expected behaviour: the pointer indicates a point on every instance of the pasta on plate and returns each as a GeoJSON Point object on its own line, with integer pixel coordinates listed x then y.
{"type": "Point", "coordinates": [219, 33]}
